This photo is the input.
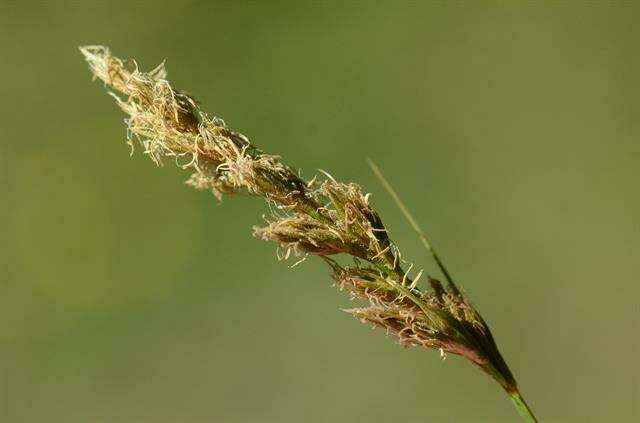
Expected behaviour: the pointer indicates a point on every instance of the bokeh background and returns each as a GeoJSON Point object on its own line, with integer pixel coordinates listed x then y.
{"type": "Point", "coordinates": [510, 128]}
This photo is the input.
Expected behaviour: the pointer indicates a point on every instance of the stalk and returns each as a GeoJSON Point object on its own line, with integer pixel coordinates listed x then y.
{"type": "Point", "coordinates": [522, 407]}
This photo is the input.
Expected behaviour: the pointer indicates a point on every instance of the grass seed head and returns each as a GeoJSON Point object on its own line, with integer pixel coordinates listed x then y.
{"type": "Point", "coordinates": [320, 218]}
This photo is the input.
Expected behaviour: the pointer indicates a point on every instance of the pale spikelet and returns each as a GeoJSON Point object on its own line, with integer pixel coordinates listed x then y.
{"type": "Point", "coordinates": [323, 218]}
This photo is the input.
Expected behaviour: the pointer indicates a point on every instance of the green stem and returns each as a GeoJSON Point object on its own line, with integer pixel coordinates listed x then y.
{"type": "Point", "coordinates": [522, 407]}
{"type": "Point", "coordinates": [414, 225]}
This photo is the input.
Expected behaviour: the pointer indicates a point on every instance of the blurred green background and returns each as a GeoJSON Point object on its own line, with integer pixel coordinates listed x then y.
{"type": "Point", "coordinates": [510, 128]}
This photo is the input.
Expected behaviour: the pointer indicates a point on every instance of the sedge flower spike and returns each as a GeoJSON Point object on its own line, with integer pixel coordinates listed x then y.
{"type": "Point", "coordinates": [319, 217]}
